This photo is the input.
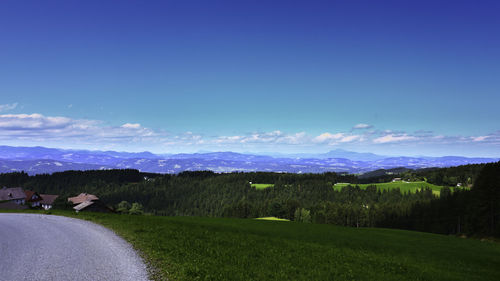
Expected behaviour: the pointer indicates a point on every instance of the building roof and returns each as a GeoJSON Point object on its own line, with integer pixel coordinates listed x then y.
{"type": "Point", "coordinates": [83, 205]}
{"type": "Point", "coordinates": [29, 195]}
{"type": "Point", "coordinates": [48, 199]}
{"type": "Point", "coordinates": [12, 193]}
{"type": "Point", "coordinates": [82, 197]}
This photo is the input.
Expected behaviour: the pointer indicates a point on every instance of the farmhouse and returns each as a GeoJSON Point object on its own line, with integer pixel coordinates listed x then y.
{"type": "Point", "coordinates": [88, 202]}
{"type": "Point", "coordinates": [16, 199]}
{"type": "Point", "coordinates": [13, 194]}
{"type": "Point", "coordinates": [48, 200]}
{"type": "Point", "coordinates": [32, 198]}
{"type": "Point", "coordinates": [82, 197]}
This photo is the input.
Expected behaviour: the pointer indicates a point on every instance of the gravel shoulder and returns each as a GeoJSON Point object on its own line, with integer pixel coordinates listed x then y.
{"type": "Point", "coordinates": [46, 247]}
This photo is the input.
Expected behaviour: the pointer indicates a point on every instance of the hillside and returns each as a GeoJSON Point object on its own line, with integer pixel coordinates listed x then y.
{"type": "Point", "coordinates": [192, 248]}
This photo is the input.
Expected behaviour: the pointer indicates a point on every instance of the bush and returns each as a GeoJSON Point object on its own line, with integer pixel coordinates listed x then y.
{"type": "Point", "coordinates": [123, 207]}
{"type": "Point", "coordinates": [136, 209]}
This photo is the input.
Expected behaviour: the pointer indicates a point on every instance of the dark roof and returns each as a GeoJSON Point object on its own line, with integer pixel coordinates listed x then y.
{"type": "Point", "coordinates": [12, 193]}
{"type": "Point", "coordinates": [48, 199]}
{"type": "Point", "coordinates": [29, 195]}
{"type": "Point", "coordinates": [12, 206]}
{"type": "Point", "coordinates": [82, 197]}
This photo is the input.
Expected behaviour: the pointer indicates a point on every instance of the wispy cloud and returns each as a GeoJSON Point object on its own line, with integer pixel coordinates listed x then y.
{"type": "Point", "coordinates": [39, 129]}
{"type": "Point", "coordinates": [391, 138]}
{"type": "Point", "coordinates": [131, 126]}
{"type": "Point", "coordinates": [332, 139]}
{"type": "Point", "coordinates": [480, 138]}
{"type": "Point", "coordinates": [362, 126]}
{"type": "Point", "coordinates": [8, 106]}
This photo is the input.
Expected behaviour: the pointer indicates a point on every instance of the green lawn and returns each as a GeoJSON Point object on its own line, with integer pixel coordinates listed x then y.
{"type": "Point", "coordinates": [403, 186]}
{"type": "Point", "coordinates": [271, 219]}
{"type": "Point", "coordinates": [193, 248]}
{"type": "Point", "coordinates": [262, 185]}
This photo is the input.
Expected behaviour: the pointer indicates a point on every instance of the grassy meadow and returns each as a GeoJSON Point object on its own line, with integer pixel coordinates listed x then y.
{"type": "Point", "coordinates": [194, 248]}
{"type": "Point", "coordinates": [403, 186]}
{"type": "Point", "coordinates": [262, 185]}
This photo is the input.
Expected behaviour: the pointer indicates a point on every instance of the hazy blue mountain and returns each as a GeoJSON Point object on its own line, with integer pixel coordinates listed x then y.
{"type": "Point", "coordinates": [45, 166]}
{"type": "Point", "coordinates": [36, 160]}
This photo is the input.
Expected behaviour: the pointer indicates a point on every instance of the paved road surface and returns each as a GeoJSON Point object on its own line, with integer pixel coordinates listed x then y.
{"type": "Point", "coordinates": [42, 247]}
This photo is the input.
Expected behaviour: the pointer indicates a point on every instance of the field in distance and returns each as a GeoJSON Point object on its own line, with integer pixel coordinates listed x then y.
{"type": "Point", "coordinates": [262, 185]}
{"type": "Point", "coordinates": [402, 185]}
{"type": "Point", "coordinates": [193, 248]}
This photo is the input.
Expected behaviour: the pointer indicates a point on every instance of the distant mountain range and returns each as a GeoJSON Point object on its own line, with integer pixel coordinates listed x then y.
{"type": "Point", "coordinates": [38, 160]}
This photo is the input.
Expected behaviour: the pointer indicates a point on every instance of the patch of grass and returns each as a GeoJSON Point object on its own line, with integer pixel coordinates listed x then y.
{"type": "Point", "coordinates": [403, 186]}
{"type": "Point", "coordinates": [262, 185]}
{"type": "Point", "coordinates": [271, 219]}
{"type": "Point", "coordinates": [193, 248]}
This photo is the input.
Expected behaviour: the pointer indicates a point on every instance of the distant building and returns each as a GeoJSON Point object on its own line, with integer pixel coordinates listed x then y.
{"type": "Point", "coordinates": [48, 201]}
{"type": "Point", "coordinates": [88, 202]}
{"type": "Point", "coordinates": [396, 179]}
{"type": "Point", "coordinates": [32, 198]}
{"type": "Point", "coordinates": [16, 199]}
{"type": "Point", "coordinates": [13, 194]}
{"type": "Point", "coordinates": [459, 184]}
{"type": "Point", "coordinates": [82, 197]}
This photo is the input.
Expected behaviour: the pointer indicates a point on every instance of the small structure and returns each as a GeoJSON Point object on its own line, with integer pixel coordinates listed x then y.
{"type": "Point", "coordinates": [32, 198]}
{"type": "Point", "coordinates": [396, 179]}
{"type": "Point", "coordinates": [88, 202]}
{"type": "Point", "coordinates": [459, 184]}
{"type": "Point", "coordinates": [14, 194]}
{"type": "Point", "coordinates": [48, 201]}
{"type": "Point", "coordinates": [82, 197]}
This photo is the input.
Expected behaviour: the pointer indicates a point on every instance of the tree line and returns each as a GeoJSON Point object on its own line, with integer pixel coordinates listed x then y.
{"type": "Point", "coordinates": [300, 197]}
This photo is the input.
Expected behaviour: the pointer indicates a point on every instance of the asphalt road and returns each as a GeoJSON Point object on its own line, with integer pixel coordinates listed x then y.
{"type": "Point", "coordinates": [44, 247]}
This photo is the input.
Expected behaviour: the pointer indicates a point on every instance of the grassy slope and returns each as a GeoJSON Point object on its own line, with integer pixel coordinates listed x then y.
{"type": "Point", "coordinates": [190, 248]}
{"type": "Point", "coordinates": [271, 219]}
{"type": "Point", "coordinates": [403, 186]}
{"type": "Point", "coordinates": [262, 185]}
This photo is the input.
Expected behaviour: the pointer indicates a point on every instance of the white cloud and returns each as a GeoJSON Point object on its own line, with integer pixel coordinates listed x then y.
{"type": "Point", "coordinates": [274, 137]}
{"type": "Point", "coordinates": [32, 121]}
{"type": "Point", "coordinates": [37, 129]}
{"type": "Point", "coordinates": [350, 138]}
{"type": "Point", "coordinates": [480, 138]}
{"type": "Point", "coordinates": [336, 138]}
{"type": "Point", "coordinates": [328, 137]}
{"type": "Point", "coordinates": [131, 126]}
{"type": "Point", "coordinates": [8, 106]}
{"type": "Point", "coordinates": [393, 138]}
{"type": "Point", "coordinates": [362, 126]}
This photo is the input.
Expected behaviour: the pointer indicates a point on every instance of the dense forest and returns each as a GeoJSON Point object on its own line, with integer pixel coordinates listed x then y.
{"type": "Point", "coordinates": [299, 197]}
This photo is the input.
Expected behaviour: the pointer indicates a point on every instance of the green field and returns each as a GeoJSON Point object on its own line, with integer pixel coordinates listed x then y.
{"type": "Point", "coordinates": [403, 186]}
{"type": "Point", "coordinates": [262, 185]}
{"type": "Point", "coordinates": [271, 219]}
{"type": "Point", "coordinates": [193, 248]}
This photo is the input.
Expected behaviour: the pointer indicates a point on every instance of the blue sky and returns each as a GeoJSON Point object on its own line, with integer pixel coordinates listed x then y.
{"type": "Point", "coordinates": [391, 77]}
